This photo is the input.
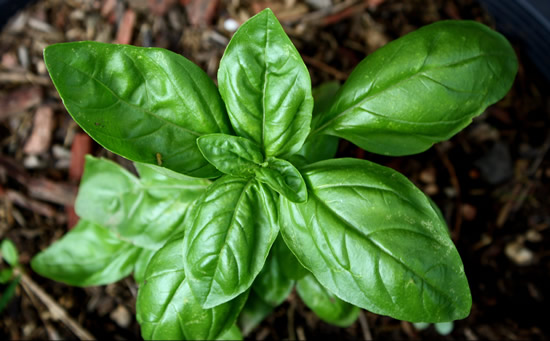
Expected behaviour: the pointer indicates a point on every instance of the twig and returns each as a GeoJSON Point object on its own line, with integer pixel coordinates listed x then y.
{"type": "Point", "coordinates": [23, 78]}
{"type": "Point", "coordinates": [58, 313]}
{"type": "Point", "coordinates": [317, 16]}
{"type": "Point", "coordinates": [339, 75]}
{"type": "Point", "coordinates": [456, 185]}
{"type": "Point", "coordinates": [364, 326]}
{"type": "Point", "coordinates": [290, 320]}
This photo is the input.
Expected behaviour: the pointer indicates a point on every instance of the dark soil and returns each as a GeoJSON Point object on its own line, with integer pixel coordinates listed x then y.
{"type": "Point", "coordinates": [491, 180]}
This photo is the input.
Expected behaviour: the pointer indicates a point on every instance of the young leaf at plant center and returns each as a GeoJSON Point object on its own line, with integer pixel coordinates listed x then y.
{"type": "Point", "coordinates": [283, 178]}
{"type": "Point", "coordinates": [318, 147]}
{"type": "Point", "coordinates": [225, 247]}
{"type": "Point", "coordinates": [231, 155]}
{"type": "Point", "coordinates": [271, 284]}
{"type": "Point", "coordinates": [167, 309]}
{"type": "Point", "coordinates": [266, 86]}
{"type": "Point", "coordinates": [325, 304]}
{"type": "Point", "coordinates": [9, 252]}
{"type": "Point", "coordinates": [146, 104]}
{"type": "Point", "coordinates": [422, 88]}
{"type": "Point", "coordinates": [373, 239]}
{"type": "Point", "coordinates": [240, 157]}
{"type": "Point", "coordinates": [254, 311]}
{"type": "Point", "coordinates": [145, 211]}
{"type": "Point", "coordinates": [88, 255]}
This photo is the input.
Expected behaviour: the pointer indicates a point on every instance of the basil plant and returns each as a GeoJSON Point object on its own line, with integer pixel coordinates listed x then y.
{"type": "Point", "coordinates": [239, 199]}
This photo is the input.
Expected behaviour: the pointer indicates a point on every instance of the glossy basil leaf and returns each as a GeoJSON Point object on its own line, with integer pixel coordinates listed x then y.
{"type": "Point", "coordinates": [233, 227]}
{"type": "Point", "coordinates": [374, 240]}
{"type": "Point", "coordinates": [145, 211]}
{"type": "Point", "coordinates": [325, 304]}
{"type": "Point", "coordinates": [254, 312]}
{"type": "Point", "coordinates": [233, 333]}
{"type": "Point", "coordinates": [291, 267]}
{"type": "Point", "coordinates": [238, 156]}
{"type": "Point", "coordinates": [231, 155]}
{"type": "Point", "coordinates": [167, 309]}
{"type": "Point", "coordinates": [283, 178]}
{"type": "Point", "coordinates": [88, 255]}
{"type": "Point", "coordinates": [266, 86]}
{"type": "Point", "coordinates": [141, 263]}
{"type": "Point", "coordinates": [9, 252]}
{"type": "Point", "coordinates": [271, 284]}
{"type": "Point", "coordinates": [146, 104]}
{"type": "Point", "coordinates": [318, 147]}
{"type": "Point", "coordinates": [422, 88]}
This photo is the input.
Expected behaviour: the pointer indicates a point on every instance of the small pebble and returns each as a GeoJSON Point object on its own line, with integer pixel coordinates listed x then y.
{"type": "Point", "coordinates": [121, 316]}
{"type": "Point", "coordinates": [230, 25]}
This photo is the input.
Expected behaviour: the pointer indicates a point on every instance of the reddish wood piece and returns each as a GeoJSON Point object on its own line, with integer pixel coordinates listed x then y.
{"type": "Point", "coordinates": [126, 27]}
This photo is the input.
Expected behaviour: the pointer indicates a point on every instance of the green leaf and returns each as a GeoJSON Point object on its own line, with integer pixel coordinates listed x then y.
{"type": "Point", "coordinates": [5, 275]}
{"type": "Point", "coordinates": [234, 225]}
{"type": "Point", "coordinates": [254, 312]}
{"type": "Point", "coordinates": [232, 334]}
{"type": "Point", "coordinates": [8, 293]}
{"type": "Point", "coordinates": [231, 155]}
{"type": "Point", "coordinates": [325, 304]}
{"type": "Point", "coordinates": [271, 284]}
{"type": "Point", "coordinates": [167, 309]}
{"type": "Point", "coordinates": [374, 240]}
{"type": "Point", "coordinates": [266, 86]}
{"type": "Point", "coordinates": [319, 147]}
{"type": "Point", "coordinates": [282, 177]}
{"type": "Point", "coordinates": [291, 267]}
{"type": "Point", "coordinates": [145, 211]}
{"type": "Point", "coordinates": [241, 157]}
{"type": "Point", "coordinates": [422, 88]}
{"type": "Point", "coordinates": [146, 104]}
{"type": "Point", "coordinates": [88, 255]}
{"type": "Point", "coordinates": [140, 265]}
{"type": "Point", "coordinates": [9, 252]}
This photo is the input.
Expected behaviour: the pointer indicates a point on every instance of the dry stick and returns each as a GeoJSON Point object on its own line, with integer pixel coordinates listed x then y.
{"type": "Point", "coordinates": [55, 309]}
{"type": "Point", "coordinates": [23, 78]}
{"type": "Point", "coordinates": [290, 319]}
{"type": "Point", "coordinates": [456, 185]}
{"type": "Point", "coordinates": [317, 16]}
{"type": "Point", "coordinates": [364, 326]}
{"type": "Point", "coordinates": [52, 333]}
{"type": "Point", "coordinates": [339, 75]}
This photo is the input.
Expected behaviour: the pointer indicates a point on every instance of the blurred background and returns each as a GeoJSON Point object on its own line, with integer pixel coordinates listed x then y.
{"type": "Point", "coordinates": [492, 181]}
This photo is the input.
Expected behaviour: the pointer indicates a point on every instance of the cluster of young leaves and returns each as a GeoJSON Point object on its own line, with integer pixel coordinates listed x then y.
{"type": "Point", "coordinates": [277, 212]}
{"type": "Point", "coordinates": [9, 275]}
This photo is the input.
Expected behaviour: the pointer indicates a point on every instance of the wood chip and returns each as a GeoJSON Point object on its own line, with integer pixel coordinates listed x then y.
{"type": "Point", "coordinates": [160, 7]}
{"type": "Point", "coordinates": [41, 136]}
{"type": "Point", "coordinates": [126, 28]}
{"type": "Point", "coordinates": [82, 145]}
{"type": "Point", "coordinates": [55, 192]}
{"type": "Point", "coordinates": [201, 12]}
{"type": "Point", "coordinates": [19, 101]}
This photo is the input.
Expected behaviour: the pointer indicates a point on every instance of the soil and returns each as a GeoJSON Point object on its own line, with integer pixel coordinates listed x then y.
{"type": "Point", "coordinates": [491, 180]}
